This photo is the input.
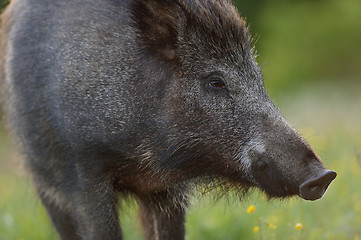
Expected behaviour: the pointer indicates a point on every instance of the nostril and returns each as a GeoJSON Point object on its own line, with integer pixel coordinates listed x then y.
{"type": "Point", "coordinates": [315, 188]}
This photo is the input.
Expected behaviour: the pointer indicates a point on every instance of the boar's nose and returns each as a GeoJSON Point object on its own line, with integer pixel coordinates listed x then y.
{"type": "Point", "coordinates": [314, 188]}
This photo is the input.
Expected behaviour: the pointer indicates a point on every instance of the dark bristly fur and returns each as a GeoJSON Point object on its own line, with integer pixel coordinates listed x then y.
{"type": "Point", "coordinates": [152, 99]}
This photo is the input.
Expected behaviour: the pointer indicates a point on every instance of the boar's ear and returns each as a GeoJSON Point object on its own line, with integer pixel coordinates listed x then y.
{"type": "Point", "coordinates": [158, 23]}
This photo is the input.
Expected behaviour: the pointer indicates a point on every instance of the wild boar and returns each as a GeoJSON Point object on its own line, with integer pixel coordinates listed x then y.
{"type": "Point", "coordinates": [145, 98]}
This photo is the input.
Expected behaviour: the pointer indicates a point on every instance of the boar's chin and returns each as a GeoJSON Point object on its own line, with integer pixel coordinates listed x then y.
{"type": "Point", "coordinates": [220, 186]}
{"type": "Point", "coordinates": [279, 193]}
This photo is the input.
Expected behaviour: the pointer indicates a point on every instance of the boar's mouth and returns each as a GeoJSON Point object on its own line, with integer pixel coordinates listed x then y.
{"type": "Point", "coordinates": [274, 183]}
{"type": "Point", "coordinates": [314, 188]}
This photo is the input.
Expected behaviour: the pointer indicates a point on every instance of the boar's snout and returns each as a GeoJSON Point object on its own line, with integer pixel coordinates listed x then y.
{"type": "Point", "coordinates": [315, 187]}
{"type": "Point", "coordinates": [282, 164]}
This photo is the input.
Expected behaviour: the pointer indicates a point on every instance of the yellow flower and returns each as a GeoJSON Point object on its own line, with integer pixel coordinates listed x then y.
{"type": "Point", "coordinates": [251, 209]}
{"type": "Point", "coordinates": [255, 229]}
{"type": "Point", "coordinates": [298, 226]}
{"type": "Point", "coordinates": [272, 226]}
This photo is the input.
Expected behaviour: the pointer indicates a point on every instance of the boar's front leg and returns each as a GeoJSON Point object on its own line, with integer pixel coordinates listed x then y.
{"type": "Point", "coordinates": [62, 218]}
{"type": "Point", "coordinates": [86, 209]}
{"type": "Point", "coordinates": [163, 214]}
{"type": "Point", "coordinates": [97, 206]}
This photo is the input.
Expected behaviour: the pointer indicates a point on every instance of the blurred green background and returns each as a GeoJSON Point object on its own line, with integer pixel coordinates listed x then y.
{"type": "Point", "coordinates": [310, 55]}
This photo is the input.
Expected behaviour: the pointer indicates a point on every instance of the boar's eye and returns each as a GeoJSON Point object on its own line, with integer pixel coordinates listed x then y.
{"type": "Point", "coordinates": [217, 82]}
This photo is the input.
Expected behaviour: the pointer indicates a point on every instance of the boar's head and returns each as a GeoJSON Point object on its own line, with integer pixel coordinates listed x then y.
{"type": "Point", "coordinates": [213, 115]}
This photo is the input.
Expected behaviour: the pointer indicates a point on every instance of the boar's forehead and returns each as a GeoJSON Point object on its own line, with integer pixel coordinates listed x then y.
{"type": "Point", "coordinates": [216, 26]}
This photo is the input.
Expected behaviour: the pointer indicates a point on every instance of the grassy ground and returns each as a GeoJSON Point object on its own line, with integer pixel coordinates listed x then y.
{"type": "Point", "coordinates": [328, 117]}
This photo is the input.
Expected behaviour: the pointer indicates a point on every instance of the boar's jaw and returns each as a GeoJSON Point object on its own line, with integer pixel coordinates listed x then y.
{"type": "Point", "coordinates": [270, 179]}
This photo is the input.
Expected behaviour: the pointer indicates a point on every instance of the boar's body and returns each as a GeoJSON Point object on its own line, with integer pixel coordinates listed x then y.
{"type": "Point", "coordinates": [141, 97]}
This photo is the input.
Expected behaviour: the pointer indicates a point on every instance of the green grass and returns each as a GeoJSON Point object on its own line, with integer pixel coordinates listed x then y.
{"type": "Point", "coordinates": [328, 117]}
